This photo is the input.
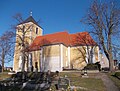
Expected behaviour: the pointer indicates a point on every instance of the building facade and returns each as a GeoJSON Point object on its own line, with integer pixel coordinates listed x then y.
{"type": "Point", "coordinates": [57, 51]}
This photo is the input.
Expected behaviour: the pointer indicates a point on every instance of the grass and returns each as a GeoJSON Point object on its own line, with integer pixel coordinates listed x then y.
{"type": "Point", "coordinates": [114, 79]}
{"type": "Point", "coordinates": [91, 84]}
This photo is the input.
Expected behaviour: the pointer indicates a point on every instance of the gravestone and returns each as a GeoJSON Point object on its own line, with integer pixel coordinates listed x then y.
{"type": "Point", "coordinates": [63, 83]}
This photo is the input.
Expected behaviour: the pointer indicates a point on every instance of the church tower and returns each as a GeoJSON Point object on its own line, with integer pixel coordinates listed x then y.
{"type": "Point", "coordinates": [27, 30]}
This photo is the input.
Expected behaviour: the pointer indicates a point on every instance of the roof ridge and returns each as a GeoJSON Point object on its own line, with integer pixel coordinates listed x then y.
{"type": "Point", "coordinates": [51, 34]}
{"type": "Point", "coordinates": [56, 33]}
{"type": "Point", "coordinates": [80, 32]}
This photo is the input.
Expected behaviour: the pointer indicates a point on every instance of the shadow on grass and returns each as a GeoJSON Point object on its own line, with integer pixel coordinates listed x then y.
{"type": "Point", "coordinates": [113, 75]}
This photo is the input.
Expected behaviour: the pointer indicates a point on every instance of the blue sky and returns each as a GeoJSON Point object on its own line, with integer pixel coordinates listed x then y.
{"type": "Point", "coordinates": [54, 15]}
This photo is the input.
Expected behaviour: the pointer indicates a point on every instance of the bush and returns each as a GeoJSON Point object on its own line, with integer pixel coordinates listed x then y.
{"type": "Point", "coordinates": [91, 66]}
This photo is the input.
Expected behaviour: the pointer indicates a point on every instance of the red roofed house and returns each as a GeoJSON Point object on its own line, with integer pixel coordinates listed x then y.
{"type": "Point", "coordinates": [62, 50]}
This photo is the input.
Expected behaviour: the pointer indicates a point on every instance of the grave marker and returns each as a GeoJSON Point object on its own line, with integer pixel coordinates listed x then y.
{"type": "Point", "coordinates": [63, 83]}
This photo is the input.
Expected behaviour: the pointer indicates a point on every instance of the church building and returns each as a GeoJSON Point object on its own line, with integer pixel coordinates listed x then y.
{"type": "Point", "coordinates": [54, 52]}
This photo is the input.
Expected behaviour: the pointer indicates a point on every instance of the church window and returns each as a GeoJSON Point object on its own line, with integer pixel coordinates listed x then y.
{"type": "Point", "coordinates": [36, 30]}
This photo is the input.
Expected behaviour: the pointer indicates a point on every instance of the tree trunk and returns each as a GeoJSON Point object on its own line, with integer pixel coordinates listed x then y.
{"type": "Point", "coordinates": [111, 65]}
{"type": "Point", "coordinates": [3, 60]}
{"type": "Point", "coordinates": [2, 65]}
{"type": "Point", "coordinates": [110, 51]}
{"type": "Point", "coordinates": [110, 59]}
{"type": "Point", "coordinates": [23, 51]}
{"type": "Point", "coordinates": [23, 62]}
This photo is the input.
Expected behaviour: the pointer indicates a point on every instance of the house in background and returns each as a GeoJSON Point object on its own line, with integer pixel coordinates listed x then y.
{"type": "Point", "coordinates": [56, 51]}
{"type": "Point", "coordinates": [104, 61]}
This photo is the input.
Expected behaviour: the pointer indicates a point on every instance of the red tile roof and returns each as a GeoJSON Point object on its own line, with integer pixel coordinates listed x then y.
{"type": "Point", "coordinates": [82, 38]}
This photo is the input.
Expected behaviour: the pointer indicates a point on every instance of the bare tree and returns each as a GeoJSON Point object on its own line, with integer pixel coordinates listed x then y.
{"type": "Point", "coordinates": [104, 18]}
{"type": "Point", "coordinates": [6, 47]}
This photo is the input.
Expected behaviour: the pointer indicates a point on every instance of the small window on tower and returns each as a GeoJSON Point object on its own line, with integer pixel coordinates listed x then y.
{"type": "Point", "coordinates": [23, 29]}
{"type": "Point", "coordinates": [36, 30]}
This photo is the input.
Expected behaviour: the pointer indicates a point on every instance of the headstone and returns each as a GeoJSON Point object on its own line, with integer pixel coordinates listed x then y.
{"type": "Point", "coordinates": [63, 83]}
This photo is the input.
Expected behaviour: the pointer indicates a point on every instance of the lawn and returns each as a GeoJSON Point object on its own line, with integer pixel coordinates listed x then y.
{"type": "Point", "coordinates": [90, 84]}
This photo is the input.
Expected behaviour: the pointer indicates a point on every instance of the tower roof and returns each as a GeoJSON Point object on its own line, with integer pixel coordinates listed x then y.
{"type": "Point", "coordinates": [30, 19]}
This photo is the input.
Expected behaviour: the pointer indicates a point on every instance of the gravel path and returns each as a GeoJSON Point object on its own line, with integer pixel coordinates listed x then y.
{"type": "Point", "coordinates": [110, 86]}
